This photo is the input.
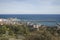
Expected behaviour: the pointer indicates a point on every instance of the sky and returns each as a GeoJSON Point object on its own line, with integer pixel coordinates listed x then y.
{"type": "Point", "coordinates": [29, 6]}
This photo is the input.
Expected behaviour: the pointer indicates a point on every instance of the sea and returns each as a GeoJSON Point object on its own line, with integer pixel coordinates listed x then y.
{"type": "Point", "coordinates": [45, 19]}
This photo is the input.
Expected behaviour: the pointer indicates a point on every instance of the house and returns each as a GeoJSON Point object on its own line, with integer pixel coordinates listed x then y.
{"type": "Point", "coordinates": [2, 21]}
{"type": "Point", "coordinates": [37, 26]}
{"type": "Point", "coordinates": [33, 26]}
{"type": "Point", "coordinates": [10, 21]}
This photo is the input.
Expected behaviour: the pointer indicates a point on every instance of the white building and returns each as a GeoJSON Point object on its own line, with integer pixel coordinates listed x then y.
{"type": "Point", "coordinates": [1, 20]}
{"type": "Point", "coordinates": [9, 21]}
{"type": "Point", "coordinates": [36, 26]}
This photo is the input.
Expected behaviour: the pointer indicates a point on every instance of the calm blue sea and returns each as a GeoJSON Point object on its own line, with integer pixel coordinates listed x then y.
{"type": "Point", "coordinates": [54, 17]}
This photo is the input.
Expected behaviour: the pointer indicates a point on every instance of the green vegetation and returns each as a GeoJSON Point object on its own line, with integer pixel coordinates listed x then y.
{"type": "Point", "coordinates": [24, 32]}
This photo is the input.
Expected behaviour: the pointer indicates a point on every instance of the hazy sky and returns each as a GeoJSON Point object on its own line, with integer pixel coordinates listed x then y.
{"type": "Point", "coordinates": [30, 6]}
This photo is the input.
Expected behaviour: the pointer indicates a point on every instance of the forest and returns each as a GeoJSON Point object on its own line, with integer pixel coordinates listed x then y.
{"type": "Point", "coordinates": [24, 32]}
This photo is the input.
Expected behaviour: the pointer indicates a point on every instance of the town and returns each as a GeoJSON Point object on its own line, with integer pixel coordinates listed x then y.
{"type": "Point", "coordinates": [17, 29]}
{"type": "Point", "coordinates": [15, 21]}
